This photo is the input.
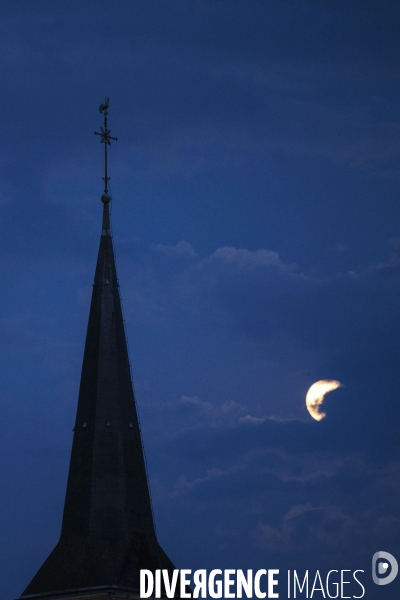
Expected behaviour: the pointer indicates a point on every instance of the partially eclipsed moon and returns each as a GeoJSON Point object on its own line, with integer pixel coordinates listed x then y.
{"type": "Point", "coordinates": [315, 396]}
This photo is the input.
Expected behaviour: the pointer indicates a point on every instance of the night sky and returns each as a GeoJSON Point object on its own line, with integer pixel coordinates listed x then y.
{"type": "Point", "coordinates": [256, 223]}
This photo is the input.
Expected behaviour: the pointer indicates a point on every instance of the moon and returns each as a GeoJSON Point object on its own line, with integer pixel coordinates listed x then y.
{"type": "Point", "coordinates": [316, 394]}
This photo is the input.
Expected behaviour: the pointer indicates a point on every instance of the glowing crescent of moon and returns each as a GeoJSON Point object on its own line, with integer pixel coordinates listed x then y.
{"type": "Point", "coordinates": [315, 396]}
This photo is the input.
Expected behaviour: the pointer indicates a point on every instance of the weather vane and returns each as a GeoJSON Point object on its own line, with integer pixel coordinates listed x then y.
{"type": "Point", "coordinates": [105, 138]}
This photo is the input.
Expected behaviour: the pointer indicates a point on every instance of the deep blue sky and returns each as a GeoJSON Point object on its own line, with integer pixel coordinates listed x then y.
{"type": "Point", "coordinates": [256, 222]}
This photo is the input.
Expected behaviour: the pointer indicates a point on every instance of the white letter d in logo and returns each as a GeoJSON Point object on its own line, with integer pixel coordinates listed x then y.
{"type": "Point", "coordinates": [383, 567]}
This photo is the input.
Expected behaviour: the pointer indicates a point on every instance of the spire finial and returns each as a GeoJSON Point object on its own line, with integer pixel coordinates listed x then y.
{"type": "Point", "coordinates": [105, 138]}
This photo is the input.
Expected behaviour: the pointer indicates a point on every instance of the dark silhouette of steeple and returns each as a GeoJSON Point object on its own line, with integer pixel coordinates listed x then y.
{"type": "Point", "coordinates": [108, 532]}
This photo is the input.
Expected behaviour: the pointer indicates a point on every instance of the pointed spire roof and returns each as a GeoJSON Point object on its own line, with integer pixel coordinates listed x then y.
{"type": "Point", "coordinates": [108, 532]}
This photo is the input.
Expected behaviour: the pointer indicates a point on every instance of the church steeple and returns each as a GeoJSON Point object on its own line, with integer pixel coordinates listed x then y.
{"type": "Point", "coordinates": [108, 530]}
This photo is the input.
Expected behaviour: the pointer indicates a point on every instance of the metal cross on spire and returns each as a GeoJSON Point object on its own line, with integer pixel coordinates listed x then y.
{"type": "Point", "coordinates": [105, 138]}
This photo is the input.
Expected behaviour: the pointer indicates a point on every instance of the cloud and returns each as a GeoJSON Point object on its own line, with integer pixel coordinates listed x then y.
{"type": "Point", "coordinates": [299, 499]}
{"type": "Point", "coordinates": [388, 268]}
{"type": "Point", "coordinates": [245, 259]}
{"type": "Point", "coordinates": [257, 420]}
{"type": "Point", "coordinates": [190, 413]}
{"type": "Point", "coordinates": [289, 329]}
{"type": "Point", "coordinates": [310, 528]}
{"type": "Point", "coordinates": [181, 249]}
